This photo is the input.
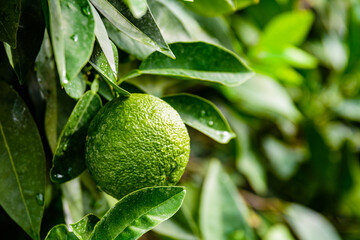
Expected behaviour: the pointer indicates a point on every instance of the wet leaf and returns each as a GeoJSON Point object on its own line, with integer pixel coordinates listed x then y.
{"type": "Point", "coordinates": [101, 65]}
{"type": "Point", "coordinates": [29, 38]}
{"type": "Point", "coordinates": [85, 226]}
{"type": "Point", "coordinates": [9, 22]}
{"type": "Point", "coordinates": [309, 224]}
{"type": "Point", "coordinates": [60, 232]}
{"type": "Point", "coordinates": [196, 61]}
{"type": "Point", "coordinates": [223, 213]}
{"type": "Point", "coordinates": [105, 43]}
{"type": "Point", "coordinates": [76, 87]}
{"type": "Point", "coordinates": [72, 30]}
{"type": "Point", "coordinates": [202, 115]}
{"type": "Point", "coordinates": [139, 212]}
{"type": "Point", "coordinates": [121, 17]}
{"type": "Point", "coordinates": [22, 160]}
{"type": "Point", "coordinates": [69, 157]}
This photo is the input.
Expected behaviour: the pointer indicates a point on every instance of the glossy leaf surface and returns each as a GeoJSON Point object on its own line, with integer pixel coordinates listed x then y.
{"type": "Point", "coordinates": [102, 66]}
{"type": "Point", "coordinates": [84, 228]}
{"type": "Point", "coordinates": [69, 158]}
{"type": "Point", "coordinates": [223, 213]}
{"type": "Point", "coordinates": [139, 212]}
{"type": "Point", "coordinates": [104, 42]}
{"type": "Point", "coordinates": [22, 160]}
{"type": "Point", "coordinates": [196, 61]}
{"type": "Point", "coordinates": [72, 30]}
{"type": "Point", "coordinates": [9, 23]}
{"type": "Point", "coordinates": [60, 232]}
{"type": "Point", "coordinates": [121, 17]}
{"type": "Point", "coordinates": [202, 115]}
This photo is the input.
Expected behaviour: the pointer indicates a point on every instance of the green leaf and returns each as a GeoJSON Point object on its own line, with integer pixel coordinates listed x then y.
{"type": "Point", "coordinates": [60, 232]}
{"type": "Point", "coordinates": [284, 159]}
{"type": "Point", "coordinates": [69, 157]}
{"type": "Point", "coordinates": [100, 63]}
{"type": "Point", "coordinates": [105, 43]}
{"type": "Point", "coordinates": [202, 115]}
{"type": "Point", "coordinates": [278, 232]}
{"type": "Point", "coordinates": [349, 109]}
{"type": "Point", "coordinates": [58, 104]}
{"type": "Point", "coordinates": [223, 213]}
{"type": "Point", "coordinates": [139, 212]}
{"type": "Point", "coordinates": [196, 61]}
{"type": "Point", "coordinates": [288, 28]}
{"type": "Point", "coordinates": [84, 228]}
{"type": "Point", "coordinates": [72, 29]}
{"type": "Point", "coordinates": [212, 8]}
{"type": "Point", "coordinates": [309, 224]}
{"type": "Point", "coordinates": [72, 201]}
{"type": "Point", "coordinates": [29, 38]}
{"type": "Point", "coordinates": [120, 16]}
{"type": "Point", "coordinates": [263, 96]}
{"type": "Point", "coordinates": [176, 22]}
{"type": "Point", "coordinates": [137, 7]}
{"type": "Point", "coordinates": [9, 21]}
{"type": "Point", "coordinates": [76, 87]}
{"type": "Point", "coordinates": [22, 160]}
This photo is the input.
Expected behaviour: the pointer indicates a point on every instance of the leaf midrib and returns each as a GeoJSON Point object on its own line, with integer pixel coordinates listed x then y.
{"type": "Point", "coordinates": [162, 203]}
{"type": "Point", "coordinates": [16, 175]}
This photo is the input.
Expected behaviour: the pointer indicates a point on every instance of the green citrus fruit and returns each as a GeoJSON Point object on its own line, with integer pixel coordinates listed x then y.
{"type": "Point", "coordinates": [136, 142]}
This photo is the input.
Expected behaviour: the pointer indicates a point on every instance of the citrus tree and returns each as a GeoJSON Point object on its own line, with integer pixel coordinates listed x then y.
{"type": "Point", "coordinates": [99, 100]}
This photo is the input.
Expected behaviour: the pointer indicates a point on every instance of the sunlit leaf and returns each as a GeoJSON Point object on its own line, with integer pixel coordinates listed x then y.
{"type": "Point", "coordinates": [309, 224]}
{"type": "Point", "coordinates": [137, 7]}
{"type": "Point", "coordinates": [202, 115]}
{"type": "Point", "coordinates": [22, 160]}
{"type": "Point", "coordinates": [120, 16]}
{"type": "Point", "coordinates": [84, 228]}
{"type": "Point", "coordinates": [139, 212]}
{"type": "Point", "coordinates": [196, 61]}
{"type": "Point", "coordinates": [60, 232]}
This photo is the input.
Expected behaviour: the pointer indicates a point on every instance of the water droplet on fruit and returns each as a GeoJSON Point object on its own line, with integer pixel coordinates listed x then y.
{"type": "Point", "coordinates": [40, 198]}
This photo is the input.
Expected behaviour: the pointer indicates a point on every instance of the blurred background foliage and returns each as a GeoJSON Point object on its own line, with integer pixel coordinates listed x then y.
{"type": "Point", "coordinates": [293, 171]}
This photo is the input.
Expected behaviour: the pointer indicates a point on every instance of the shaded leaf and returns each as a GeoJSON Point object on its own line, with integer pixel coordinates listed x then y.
{"type": "Point", "coordinates": [29, 38]}
{"type": "Point", "coordinates": [69, 157]}
{"type": "Point", "coordinates": [139, 212]}
{"type": "Point", "coordinates": [101, 65]}
{"type": "Point", "coordinates": [309, 224]}
{"type": "Point", "coordinates": [121, 17]}
{"type": "Point", "coordinates": [22, 160]}
{"type": "Point", "coordinates": [9, 23]}
{"type": "Point", "coordinates": [202, 115]}
{"type": "Point", "coordinates": [60, 232]}
{"type": "Point", "coordinates": [85, 226]}
{"type": "Point", "coordinates": [223, 213]}
{"type": "Point", "coordinates": [196, 61]}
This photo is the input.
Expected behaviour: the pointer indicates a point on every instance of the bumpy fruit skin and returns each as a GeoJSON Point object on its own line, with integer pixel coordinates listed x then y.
{"type": "Point", "coordinates": [136, 142]}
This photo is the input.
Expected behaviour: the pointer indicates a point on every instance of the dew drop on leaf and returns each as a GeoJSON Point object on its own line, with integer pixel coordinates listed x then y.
{"type": "Point", "coordinates": [74, 37]}
{"type": "Point", "coordinates": [210, 123]}
{"type": "Point", "coordinates": [86, 10]}
{"type": "Point", "coordinates": [40, 198]}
